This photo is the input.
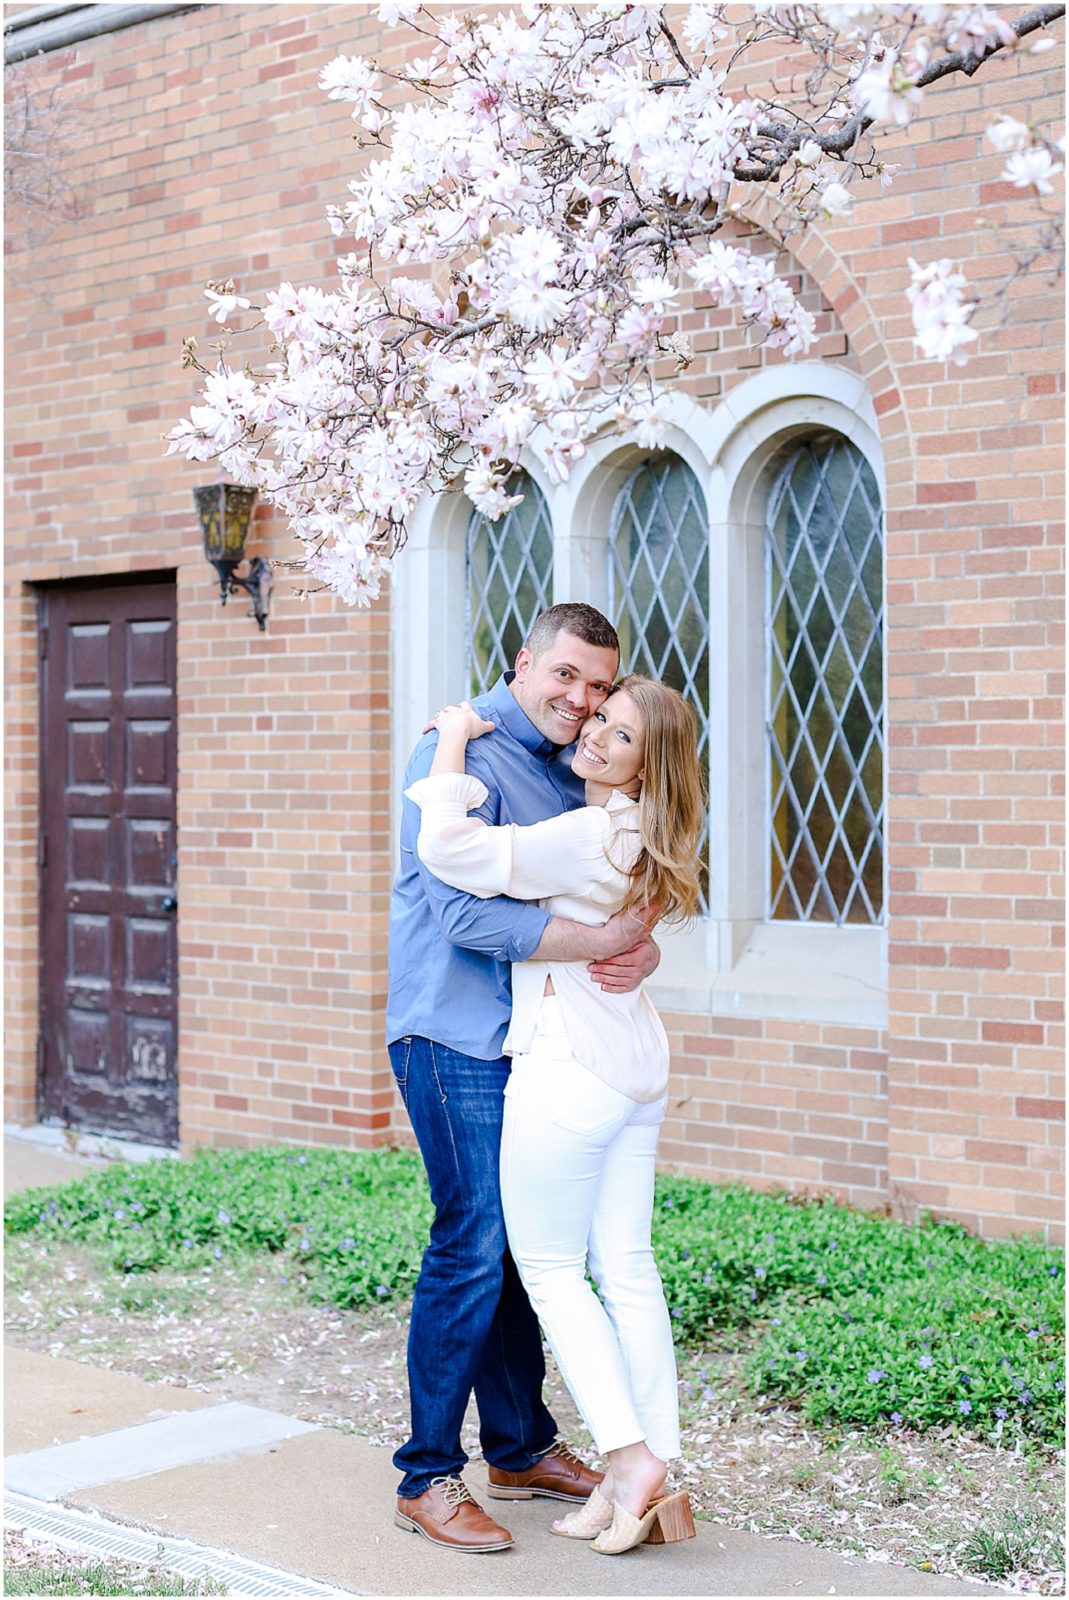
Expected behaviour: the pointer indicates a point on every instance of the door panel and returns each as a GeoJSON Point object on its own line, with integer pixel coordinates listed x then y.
{"type": "Point", "coordinates": [109, 1001]}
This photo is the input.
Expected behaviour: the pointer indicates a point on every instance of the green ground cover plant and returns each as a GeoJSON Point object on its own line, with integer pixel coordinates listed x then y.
{"type": "Point", "coordinates": [852, 1317]}
{"type": "Point", "coordinates": [864, 1319]}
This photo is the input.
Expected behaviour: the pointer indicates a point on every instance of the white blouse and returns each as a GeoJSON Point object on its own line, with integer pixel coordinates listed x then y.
{"type": "Point", "coordinates": [576, 866]}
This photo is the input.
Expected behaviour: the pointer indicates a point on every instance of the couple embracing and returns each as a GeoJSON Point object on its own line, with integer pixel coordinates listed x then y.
{"type": "Point", "coordinates": [546, 828]}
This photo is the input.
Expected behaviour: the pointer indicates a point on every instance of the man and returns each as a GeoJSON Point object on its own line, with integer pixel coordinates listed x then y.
{"type": "Point", "coordinates": [447, 1014]}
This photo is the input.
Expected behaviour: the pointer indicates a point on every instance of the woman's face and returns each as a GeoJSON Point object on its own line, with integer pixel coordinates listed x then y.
{"type": "Point", "coordinates": [611, 748]}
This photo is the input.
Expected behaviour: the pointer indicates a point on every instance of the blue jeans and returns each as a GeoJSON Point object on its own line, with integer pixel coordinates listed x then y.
{"type": "Point", "coordinates": [472, 1325]}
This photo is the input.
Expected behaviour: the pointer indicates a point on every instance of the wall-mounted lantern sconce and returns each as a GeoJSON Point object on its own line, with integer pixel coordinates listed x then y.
{"type": "Point", "coordinates": [224, 510]}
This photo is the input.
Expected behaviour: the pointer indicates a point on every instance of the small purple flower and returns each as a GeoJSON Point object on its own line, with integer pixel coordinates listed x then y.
{"type": "Point", "coordinates": [875, 1374]}
{"type": "Point", "coordinates": [1033, 1333]}
{"type": "Point", "coordinates": [381, 1290]}
{"type": "Point", "coordinates": [1000, 1411]}
{"type": "Point", "coordinates": [965, 1406]}
{"type": "Point", "coordinates": [302, 1161]}
{"type": "Point", "coordinates": [1025, 1397]}
{"type": "Point", "coordinates": [759, 1272]}
{"type": "Point", "coordinates": [223, 1217]}
{"type": "Point", "coordinates": [801, 1355]}
{"type": "Point", "coordinates": [708, 1393]}
{"type": "Point", "coordinates": [119, 1213]}
{"type": "Point", "coordinates": [822, 1278]}
{"type": "Point", "coordinates": [1059, 1387]}
{"type": "Point", "coordinates": [926, 1362]}
{"type": "Point", "coordinates": [896, 1416]}
{"type": "Point", "coordinates": [217, 1253]}
{"type": "Point", "coordinates": [187, 1244]}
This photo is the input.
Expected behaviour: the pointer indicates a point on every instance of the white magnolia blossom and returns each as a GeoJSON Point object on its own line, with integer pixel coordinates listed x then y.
{"type": "Point", "coordinates": [546, 189]}
{"type": "Point", "coordinates": [941, 310]}
{"type": "Point", "coordinates": [1008, 135]}
{"type": "Point", "coordinates": [837, 200]}
{"type": "Point", "coordinates": [1032, 169]}
{"type": "Point", "coordinates": [223, 301]}
{"type": "Point", "coordinates": [888, 91]}
{"type": "Point", "coordinates": [1031, 164]}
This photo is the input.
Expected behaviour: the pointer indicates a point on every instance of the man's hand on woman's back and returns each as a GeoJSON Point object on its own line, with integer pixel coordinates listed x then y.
{"type": "Point", "coordinates": [619, 974]}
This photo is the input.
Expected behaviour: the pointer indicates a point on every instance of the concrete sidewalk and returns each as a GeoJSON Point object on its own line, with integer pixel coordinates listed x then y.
{"type": "Point", "coordinates": [312, 1501]}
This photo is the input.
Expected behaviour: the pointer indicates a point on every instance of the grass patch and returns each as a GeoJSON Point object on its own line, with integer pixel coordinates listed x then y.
{"type": "Point", "coordinates": [101, 1577]}
{"type": "Point", "coordinates": [855, 1319]}
{"type": "Point", "coordinates": [1014, 1542]}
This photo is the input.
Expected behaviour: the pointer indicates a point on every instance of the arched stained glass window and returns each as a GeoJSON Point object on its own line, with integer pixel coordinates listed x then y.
{"type": "Point", "coordinates": [824, 569]}
{"type": "Point", "coordinates": [659, 585]}
{"type": "Point", "coordinates": [509, 571]}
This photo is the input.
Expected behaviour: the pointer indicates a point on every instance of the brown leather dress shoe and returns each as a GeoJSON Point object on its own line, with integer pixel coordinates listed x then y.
{"type": "Point", "coordinates": [559, 1475]}
{"type": "Point", "coordinates": [447, 1515]}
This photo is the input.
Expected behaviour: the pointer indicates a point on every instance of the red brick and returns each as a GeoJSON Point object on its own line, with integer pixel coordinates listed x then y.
{"type": "Point", "coordinates": [1046, 1110]}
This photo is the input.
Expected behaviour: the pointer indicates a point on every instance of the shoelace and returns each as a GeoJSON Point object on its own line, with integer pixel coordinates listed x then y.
{"type": "Point", "coordinates": [454, 1490]}
{"type": "Point", "coordinates": [564, 1452]}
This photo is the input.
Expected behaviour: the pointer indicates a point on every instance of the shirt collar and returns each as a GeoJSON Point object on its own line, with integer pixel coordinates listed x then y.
{"type": "Point", "coordinates": [508, 712]}
{"type": "Point", "coordinates": [618, 801]}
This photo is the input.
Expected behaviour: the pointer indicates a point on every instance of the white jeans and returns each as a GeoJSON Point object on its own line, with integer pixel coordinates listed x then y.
{"type": "Point", "coordinates": [577, 1162]}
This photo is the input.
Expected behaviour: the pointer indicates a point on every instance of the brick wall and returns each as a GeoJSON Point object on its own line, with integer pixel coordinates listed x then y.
{"type": "Point", "coordinates": [209, 153]}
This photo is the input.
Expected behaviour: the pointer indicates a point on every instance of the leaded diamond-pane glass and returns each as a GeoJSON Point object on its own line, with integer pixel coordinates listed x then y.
{"type": "Point", "coordinates": [659, 587]}
{"type": "Point", "coordinates": [509, 578]}
{"type": "Point", "coordinates": [824, 563]}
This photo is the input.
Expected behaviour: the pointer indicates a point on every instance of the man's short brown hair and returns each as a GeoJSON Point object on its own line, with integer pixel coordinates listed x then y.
{"type": "Point", "coordinates": [582, 621]}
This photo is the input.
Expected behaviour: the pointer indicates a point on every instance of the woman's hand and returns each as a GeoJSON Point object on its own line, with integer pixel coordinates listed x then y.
{"type": "Point", "coordinates": [459, 721]}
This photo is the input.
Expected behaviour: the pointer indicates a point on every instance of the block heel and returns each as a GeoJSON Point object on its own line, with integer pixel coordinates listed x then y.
{"type": "Point", "coordinates": [674, 1521]}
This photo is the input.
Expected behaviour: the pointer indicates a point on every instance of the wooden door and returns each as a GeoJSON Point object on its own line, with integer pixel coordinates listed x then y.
{"type": "Point", "coordinates": [109, 999]}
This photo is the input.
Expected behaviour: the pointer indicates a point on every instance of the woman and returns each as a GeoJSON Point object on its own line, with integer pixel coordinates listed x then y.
{"type": "Point", "coordinates": [587, 1090]}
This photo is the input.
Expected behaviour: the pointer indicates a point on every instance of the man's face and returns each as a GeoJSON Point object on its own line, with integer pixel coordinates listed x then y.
{"type": "Point", "coordinates": [564, 686]}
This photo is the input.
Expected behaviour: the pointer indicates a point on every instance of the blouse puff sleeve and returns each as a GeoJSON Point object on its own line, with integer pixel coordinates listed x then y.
{"type": "Point", "coordinates": [563, 855]}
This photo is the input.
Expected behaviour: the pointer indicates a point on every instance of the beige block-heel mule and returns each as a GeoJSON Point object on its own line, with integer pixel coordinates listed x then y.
{"type": "Point", "coordinates": [665, 1521]}
{"type": "Point", "coordinates": [592, 1518]}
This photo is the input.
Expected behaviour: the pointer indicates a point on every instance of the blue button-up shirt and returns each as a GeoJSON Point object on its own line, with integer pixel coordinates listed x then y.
{"type": "Point", "coordinates": [450, 953]}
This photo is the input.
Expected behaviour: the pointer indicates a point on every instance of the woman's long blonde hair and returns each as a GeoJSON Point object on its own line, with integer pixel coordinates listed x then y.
{"type": "Point", "coordinates": [671, 803]}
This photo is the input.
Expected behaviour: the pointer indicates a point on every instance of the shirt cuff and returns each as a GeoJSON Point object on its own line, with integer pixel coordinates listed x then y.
{"type": "Point", "coordinates": [526, 936]}
{"type": "Point", "coordinates": [457, 792]}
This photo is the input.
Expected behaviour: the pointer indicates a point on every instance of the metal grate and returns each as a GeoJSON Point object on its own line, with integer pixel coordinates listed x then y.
{"type": "Point", "coordinates": [509, 570]}
{"type": "Point", "coordinates": [824, 572]}
{"type": "Point", "coordinates": [659, 588]}
{"type": "Point", "coordinates": [88, 1533]}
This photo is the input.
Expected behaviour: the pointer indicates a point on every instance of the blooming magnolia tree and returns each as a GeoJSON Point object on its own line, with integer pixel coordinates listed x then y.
{"type": "Point", "coordinates": [544, 188]}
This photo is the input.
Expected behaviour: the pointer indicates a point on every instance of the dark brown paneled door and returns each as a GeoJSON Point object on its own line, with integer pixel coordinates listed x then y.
{"type": "Point", "coordinates": [109, 1002]}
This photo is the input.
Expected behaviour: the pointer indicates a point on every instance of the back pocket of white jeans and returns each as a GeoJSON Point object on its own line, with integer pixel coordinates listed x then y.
{"type": "Point", "coordinates": [581, 1103]}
